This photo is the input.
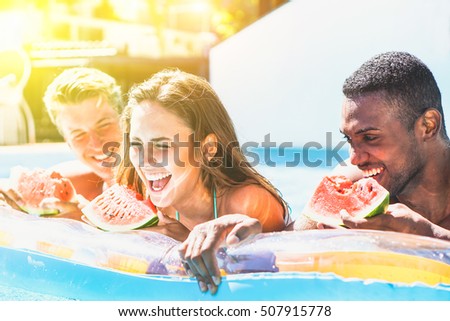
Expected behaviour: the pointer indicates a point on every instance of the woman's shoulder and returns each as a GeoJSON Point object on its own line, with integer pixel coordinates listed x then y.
{"type": "Point", "coordinates": [257, 202]}
{"type": "Point", "coordinates": [247, 192]}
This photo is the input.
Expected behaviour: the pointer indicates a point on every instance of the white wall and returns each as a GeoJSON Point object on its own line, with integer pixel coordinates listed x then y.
{"type": "Point", "coordinates": [283, 74]}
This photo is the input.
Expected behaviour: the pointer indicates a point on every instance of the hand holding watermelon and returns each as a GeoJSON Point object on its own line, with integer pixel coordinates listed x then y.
{"type": "Point", "coordinates": [338, 203]}
{"type": "Point", "coordinates": [398, 218]}
{"type": "Point", "coordinates": [6, 200]}
{"type": "Point", "coordinates": [169, 227]}
{"type": "Point", "coordinates": [363, 199]}
{"type": "Point", "coordinates": [43, 192]}
{"type": "Point", "coordinates": [3, 201]}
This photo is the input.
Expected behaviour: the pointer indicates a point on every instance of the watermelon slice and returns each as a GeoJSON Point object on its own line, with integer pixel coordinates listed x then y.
{"type": "Point", "coordinates": [362, 199]}
{"type": "Point", "coordinates": [120, 209]}
{"type": "Point", "coordinates": [37, 185]}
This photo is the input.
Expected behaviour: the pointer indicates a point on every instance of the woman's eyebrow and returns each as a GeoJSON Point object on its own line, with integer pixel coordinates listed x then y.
{"type": "Point", "coordinates": [135, 140]}
{"type": "Point", "coordinates": [158, 139]}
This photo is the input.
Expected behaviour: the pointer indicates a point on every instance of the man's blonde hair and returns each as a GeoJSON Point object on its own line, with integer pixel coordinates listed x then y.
{"type": "Point", "coordinates": [75, 85]}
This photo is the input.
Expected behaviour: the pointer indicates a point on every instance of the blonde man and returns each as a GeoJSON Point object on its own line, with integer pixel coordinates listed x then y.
{"type": "Point", "coordinates": [85, 104]}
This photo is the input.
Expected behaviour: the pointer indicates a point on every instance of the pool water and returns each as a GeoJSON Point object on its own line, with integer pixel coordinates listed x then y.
{"type": "Point", "coordinates": [16, 294]}
{"type": "Point", "coordinates": [36, 155]}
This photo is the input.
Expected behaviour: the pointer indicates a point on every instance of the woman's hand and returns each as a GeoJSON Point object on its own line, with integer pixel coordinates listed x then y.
{"type": "Point", "coordinates": [170, 227]}
{"type": "Point", "coordinates": [198, 252]}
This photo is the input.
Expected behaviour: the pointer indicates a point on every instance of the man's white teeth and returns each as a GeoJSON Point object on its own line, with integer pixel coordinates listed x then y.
{"type": "Point", "coordinates": [101, 158]}
{"type": "Point", "coordinates": [157, 176]}
{"type": "Point", "coordinates": [372, 172]}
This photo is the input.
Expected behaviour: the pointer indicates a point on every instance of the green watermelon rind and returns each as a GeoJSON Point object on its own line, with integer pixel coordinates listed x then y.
{"type": "Point", "coordinates": [377, 209]}
{"type": "Point", "coordinates": [154, 221]}
{"type": "Point", "coordinates": [104, 226]}
{"type": "Point", "coordinates": [39, 211]}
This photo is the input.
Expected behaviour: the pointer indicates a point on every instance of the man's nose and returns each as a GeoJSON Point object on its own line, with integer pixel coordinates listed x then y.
{"type": "Point", "coordinates": [358, 156]}
{"type": "Point", "coordinates": [95, 141]}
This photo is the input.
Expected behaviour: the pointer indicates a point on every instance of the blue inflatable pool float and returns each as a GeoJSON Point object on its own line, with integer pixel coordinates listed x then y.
{"type": "Point", "coordinates": [70, 259]}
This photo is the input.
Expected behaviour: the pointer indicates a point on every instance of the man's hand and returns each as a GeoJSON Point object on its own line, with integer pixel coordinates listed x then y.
{"type": "Point", "coordinates": [3, 201]}
{"type": "Point", "coordinates": [70, 210]}
{"type": "Point", "coordinates": [198, 252]}
{"type": "Point", "coordinates": [398, 218]}
{"type": "Point", "coordinates": [9, 198]}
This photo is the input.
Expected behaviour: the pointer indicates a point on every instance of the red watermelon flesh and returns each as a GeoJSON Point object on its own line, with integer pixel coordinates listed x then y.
{"type": "Point", "coordinates": [37, 185]}
{"type": "Point", "coordinates": [362, 199]}
{"type": "Point", "coordinates": [120, 208]}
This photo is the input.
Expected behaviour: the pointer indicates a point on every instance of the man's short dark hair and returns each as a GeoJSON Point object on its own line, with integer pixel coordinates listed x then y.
{"type": "Point", "coordinates": [403, 79]}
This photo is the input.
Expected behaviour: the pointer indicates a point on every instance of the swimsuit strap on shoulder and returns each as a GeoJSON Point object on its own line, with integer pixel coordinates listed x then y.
{"type": "Point", "coordinates": [177, 215]}
{"type": "Point", "coordinates": [215, 204]}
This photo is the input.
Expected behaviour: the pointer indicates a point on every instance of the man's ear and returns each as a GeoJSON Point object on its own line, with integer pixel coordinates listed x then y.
{"type": "Point", "coordinates": [430, 123]}
{"type": "Point", "coordinates": [209, 146]}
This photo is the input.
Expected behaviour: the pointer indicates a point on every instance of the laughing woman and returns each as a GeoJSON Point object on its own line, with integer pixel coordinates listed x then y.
{"type": "Point", "coordinates": [185, 150]}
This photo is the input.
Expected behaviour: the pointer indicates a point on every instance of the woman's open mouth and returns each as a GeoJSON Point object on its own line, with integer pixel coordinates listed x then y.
{"type": "Point", "coordinates": [158, 181]}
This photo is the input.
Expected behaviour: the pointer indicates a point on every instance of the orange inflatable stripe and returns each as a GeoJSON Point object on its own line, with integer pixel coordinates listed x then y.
{"type": "Point", "coordinates": [5, 238]}
{"type": "Point", "coordinates": [126, 263]}
{"type": "Point", "coordinates": [56, 250]}
{"type": "Point", "coordinates": [388, 266]}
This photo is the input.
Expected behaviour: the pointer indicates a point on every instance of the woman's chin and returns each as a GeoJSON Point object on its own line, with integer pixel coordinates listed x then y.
{"type": "Point", "coordinates": [159, 200]}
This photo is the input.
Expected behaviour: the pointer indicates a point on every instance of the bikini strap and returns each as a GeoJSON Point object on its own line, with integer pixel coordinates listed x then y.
{"type": "Point", "coordinates": [215, 204]}
{"type": "Point", "coordinates": [177, 215]}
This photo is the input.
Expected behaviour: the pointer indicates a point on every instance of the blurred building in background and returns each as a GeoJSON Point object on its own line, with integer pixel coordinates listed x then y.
{"type": "Point", "coordinates": [129, 39]}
